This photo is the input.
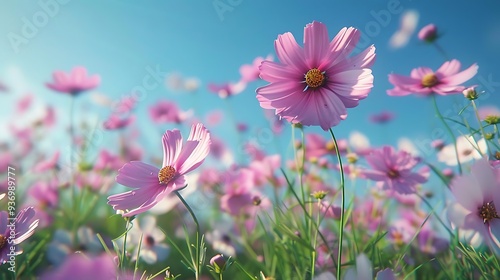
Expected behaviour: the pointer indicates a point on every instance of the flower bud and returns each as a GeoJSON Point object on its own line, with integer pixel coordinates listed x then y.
{"type": "Point", "coordinates": [428, 33]}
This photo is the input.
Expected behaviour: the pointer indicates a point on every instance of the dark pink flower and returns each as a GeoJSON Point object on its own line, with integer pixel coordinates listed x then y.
{"type": "Point", "coordinates": [423, 81]}
{"type": "Point", "coordinates": [22, 229]}
{"type": "Point", "coordinates": [315, 84]}
{"type": "Point", "coordinates": [382, 117]}
{"type": "Point", "coordinates": [116, 122]}
{"type": "Point", "coordinates": [428, 33]}
{"type": "Point", "coordinates": [152, 184]}
{"type": "Point", "coordinates": [393, 170]}
{"type": "Point", "coordinates": [75, 82]}
{"type": "Point", "coordinates": [477, 199]}
{"type": "Point", "coordinates": [167, 112]}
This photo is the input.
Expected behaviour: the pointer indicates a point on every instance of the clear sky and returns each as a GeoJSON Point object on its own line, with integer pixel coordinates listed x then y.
{"type": "Point", "coordinates": [120, 40]}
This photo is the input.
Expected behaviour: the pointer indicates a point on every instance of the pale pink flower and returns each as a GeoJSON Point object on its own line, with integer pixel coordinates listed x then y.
{"type": "Point", "coordinates": [49, 118]}
{"type": "Point", "coordinates": [477, 197]}
{"type": "Point", "coordinates": [107, 161]}
{"type": "Point", "coordinates": [78, 266]}
{"type": "Point", "coordinates": [317, 146]}
{"type": "Point", "coordinates": [124, 105]}
{"type": "Point", "coordinates": [250, 72]}
{"type": "Point", "coordinates": [116, 122]}
{"type": "Point", "coordinates": [423, 81]}
{"type": "Point", "coordinates": [393, 170]}
{"type": "Point", "coordinates": [468, 149]}
{"type": "Point", "coordinates": [315, 84]}
{"type": "Point", "coordinates": [24, 103]}
{"type": "Point", "coordinates": [152, 248]}
{"type": "Point", "coordinates": [428, 33]}
{"type": "Point", "coordinates": [15, 231]}
{"type": "Point", "coordinates": [47, 164]}
{"type": "Point", "coordinates": [407, 25]}
{"type": "Point", "coordinates": [226, 90]}
{"type": "Point", "coordinates": [74, 82]}
{"type": "Point", "coordinates": [167, 112]}
{"type": "Point", "coordinates": [152, 184]}
{"type": "Point", "coordinates": [486, 111]}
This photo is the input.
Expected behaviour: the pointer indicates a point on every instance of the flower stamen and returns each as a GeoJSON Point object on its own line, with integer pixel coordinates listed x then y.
{"type": "Point", "coordinates": [3, 241]}
{"type": "Point", "coordinates": [314, 78]}
{"type": "Point", "coordinates": [430, 80]}
{"type": "Point", "coordinates": [393, 174]}
{"type": "Point", "coordinates": [166, 174]}
{"type": "Point", "coordinates": [488, 212]}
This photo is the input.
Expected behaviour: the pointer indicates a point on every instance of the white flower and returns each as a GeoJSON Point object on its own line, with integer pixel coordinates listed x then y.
{"type": "Point", "coordinates": [467, 150]}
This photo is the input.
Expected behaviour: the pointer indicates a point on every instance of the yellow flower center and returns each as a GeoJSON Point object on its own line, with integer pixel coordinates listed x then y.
{"type": "Point", "coordinates": [315, 78]}
{"type": "Point", "coordinates": [430, 80]}
{"type": "Point", "coordinates": [488, 212]}
{"type": "Point", "coordinates": [166, 174]}
{"type": "Point", "coordinates": [330, 146]}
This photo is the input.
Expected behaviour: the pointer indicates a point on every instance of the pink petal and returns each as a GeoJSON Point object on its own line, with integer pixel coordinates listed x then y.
{"type": "Point", "coordinates": [449, 68]}
{"type": "Point", "coordinates": [461, 77]}
{"type": "Point", "coordinates": [172, 145]}
{"type": "Point", "coordinates": [289, 52]}
{"type": "Point", "coordinates": [136, 174]}
{"type": "Point", "coordinates": [344, 42]}
{"type": "Point", "coordinates": [195, 151]}
{"type": "Point", "coordinates": [280, 94]}
{"type": "Point", "coordinates": [468, 192]}
{"type": "Point", "coordinates": [316, 44]}
{"type": "Point", "coordinates": [275, 72]}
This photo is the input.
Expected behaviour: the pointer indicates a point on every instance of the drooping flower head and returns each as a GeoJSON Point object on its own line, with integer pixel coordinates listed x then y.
{"type": "Point", "coordinates": [315, 84]}
{"type": "Point", "coordinates": [423, 81]}
{"type": "Point", "coordinates": [428, 33]}
{"type": "Point", "coordinates": [393, 170]}
{"type": "Point", "coordinates": [74, 82]}
{"type": "Point", "coordinates": [150, 183]}
{"type": "Point", "coordinates": [477, 205]}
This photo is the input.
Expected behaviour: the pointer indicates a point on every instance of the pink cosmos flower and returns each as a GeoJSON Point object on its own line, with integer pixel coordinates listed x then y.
{"type": "Point", "coordinates": [75, 82]}
{"type": "Point", "coordinates": [115, 122]}
{"type": "Point", "coordinates": [382, 117]}
{"type": "Point", "coordinates": [47, 164]}
{"type": "Point", "coordinates": [423, 81]}
{"type": "Point", "coordinates": [107, 161]}
{"type": "Point", "coordinates": [49, 118]}
{"type": "Point", "coordinates": [393, 170]}
{"type": "Point", "coordinates": [428, 33]}
{"type": "Point", "coordinates": [477, 197]}
{"type": "Point", "coordinates": [315, 84]}
{"type": "Point", "coordinates": [226, 90]}
{"type": "Point", "coordinates": [167, 112]}
{"type": "Point", "coordinates": [152, 184]}
{"type": "Point", "coordinates": [317, 146]}
{"type": "Point", "coordinates": [250, 72]}
{"type": "Point", "coordinates": [23, 228]}
{"type": "Point", "coordinates": [124, 105]}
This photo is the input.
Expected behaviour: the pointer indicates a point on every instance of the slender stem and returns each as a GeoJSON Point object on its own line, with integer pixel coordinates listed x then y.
{"type": "Point", "coordinates": [440, 50]}
{"type": "Point", "coordinates": [315, 241]}
{"type": "Point", "coordinates": [122, 259]}
{"type": "Point", "coordinates": [342, 205]}
{"type": "Point", "coordinates": [480, 127]}
{"type": "Point", "coordinates": [74, 207]}
{"type": "Point", "coordinates": [197, 258]}
{"type": "Point", "coordinates": [449, 131]}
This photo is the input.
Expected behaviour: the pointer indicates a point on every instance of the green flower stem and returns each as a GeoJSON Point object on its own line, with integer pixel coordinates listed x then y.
{"type": "Point", "coordinates": [196, 265]}
{"type": "Point", "coordinates": [122, 258]}
{"type": "Point", "coordinates": [480, 127]}
{"type": "Point", "coordinates": [449, 131]}
{"type": "Point", "coordinates": [342, 205]}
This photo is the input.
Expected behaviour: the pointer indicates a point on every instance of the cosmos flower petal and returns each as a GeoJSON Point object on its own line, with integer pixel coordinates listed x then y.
{"type": "Point", "coordinates": [461, 77]}
{"type": "Point", "coordinates": [467, 191]}
{"type": "Point", "coordinates": [275, 72]}
{"type": "Point", "coordinates": [195, 150]}
{"type": "Point", "coordinates": [172, 146]}
{"type": "Point", "coordinates": [136, 174]}
{"type": "Point", "coordinates": [449, 68]}
{"type": "Point", "coordinates": [315, 43]}
{"type": "Point", "coordinates": [289, 52]}
{"type": "Point", "coordinates": [344, 42]}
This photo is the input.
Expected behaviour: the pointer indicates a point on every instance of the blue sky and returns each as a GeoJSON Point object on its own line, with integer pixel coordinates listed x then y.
{"type": "Point", "coordinates": [119, 40]}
